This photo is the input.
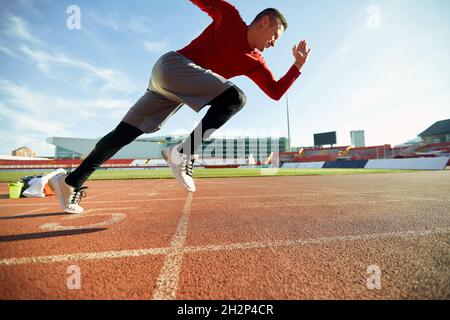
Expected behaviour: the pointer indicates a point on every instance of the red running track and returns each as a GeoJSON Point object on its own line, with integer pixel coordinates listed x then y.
{"type": "Point", "coordinates": [322, 237]}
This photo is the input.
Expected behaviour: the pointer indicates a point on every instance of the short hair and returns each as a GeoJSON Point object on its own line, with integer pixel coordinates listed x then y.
{"type": "Point", "coordinates": [272, 13]}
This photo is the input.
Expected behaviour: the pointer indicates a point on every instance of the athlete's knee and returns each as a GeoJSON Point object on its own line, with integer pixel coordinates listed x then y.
{"type": "Point", "coordinates": [234, 99]}
{"type": "Point", "coordinates": [121, 136]}
{"type": "Point", "coordinates": [110, 141]}
{"type": "Point", "coordinates": [239, 98]}
{"type": "Point", "coordinates": [107, 142]}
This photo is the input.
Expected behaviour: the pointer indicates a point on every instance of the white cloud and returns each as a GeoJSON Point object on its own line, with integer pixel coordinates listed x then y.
{"type": "Point", "coordinates": [28, 117]}
{"type": "Point", "coordinates": [16, 28]}
{"type": "Point", "coordinates": [136, 24]}
{"type": "Point", "coordinates": [33, 102]}
{"type": "Point", "coordinates": [30, 122]}
{"type": "Point", "coordinates": [140, 25]}
{"type": "Point", "coordinates": [366, 99]}
{"type": "Point", "coordinates": [25, 46]}
{"type": "Point", "coordinates": [156, 47]}
{"type": "Point", "coordinates": [11, 142]}
{"type": "Point", "coordinates": [337, 60]}
{"type": "Point", "coordinates": [112, 104]}
{"type": "Point", "coordinates": [112, 80]}
{"type": "Point", "coordinates": [108, 21]}
{"type": "Point", "coordinates": [10, 52]}
{"type": "Point", "coordinates": [19, 96]}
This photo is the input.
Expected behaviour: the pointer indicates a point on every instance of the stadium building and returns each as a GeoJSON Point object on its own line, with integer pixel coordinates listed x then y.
{"type": "Point", "coordinates": [433, 142]}
{"type": "Point", "coordinates": [239, 150]}
{"type": "Point", "coordinates": [437, 133]}
{"type": "Point", "coordinates": [24, 152]}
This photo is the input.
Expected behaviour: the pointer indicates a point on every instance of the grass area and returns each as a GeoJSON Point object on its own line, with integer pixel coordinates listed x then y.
{"type": "Point", "coordinates": [204, 173]}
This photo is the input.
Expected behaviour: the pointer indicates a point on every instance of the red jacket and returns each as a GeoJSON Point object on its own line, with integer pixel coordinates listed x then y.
{"type": "Point", "coordinates": [223, 48]}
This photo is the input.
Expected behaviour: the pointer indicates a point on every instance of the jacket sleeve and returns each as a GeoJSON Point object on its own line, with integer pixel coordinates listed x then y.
{"type": "Point", "coordinates": [273, 88]}
{"type": "Point", "coordinates": [216, 9]}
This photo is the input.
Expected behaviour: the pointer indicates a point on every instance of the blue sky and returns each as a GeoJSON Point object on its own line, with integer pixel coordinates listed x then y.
{"type": "Point", "coordinates": [379, 66]}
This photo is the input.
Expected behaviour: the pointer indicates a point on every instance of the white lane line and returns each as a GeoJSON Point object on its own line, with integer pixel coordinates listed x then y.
{"type": "Point", "coordinates": [23, 213]}
{"type": "Point", "coordinates": [116, 217]}
{"type": "Point", "coordinates": [121, 190]}
{"type": "Point", "coordinates": [106, 193]}
{"type": "Point", "coordinates": [170, 199]}
{"type": "Point", "coordinates": [278, 255]}
{"type": "Point", "coordinates": [385, 191]}
{"type": "Point", "coordinates": [167, 283]}
{"type": "Point", "coordinates": [30, 212]}
{"type": "Point", "coordinates": [404, 198]}
{"type": "Point", "coordinates": [318, 241]}
{"type": "Point", "coordinates": [144, 194]}
{"type": "Point", "coordinates": [300, 195]}
{"type": "Point", "coordinates": [271, 186]}
{"type": "Point", "coordinates": [280, 205]}
{"type": "Point", "coordinates": [84, 256]}
{"type": "Point", "coordinates": [249, 197]}
{"type": "Point", "coordinates": [223, 247]}
{"type": "Point", "coordinates": [322, 191]}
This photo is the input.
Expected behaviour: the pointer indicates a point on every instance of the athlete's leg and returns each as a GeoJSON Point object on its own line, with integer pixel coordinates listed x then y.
{"type": "Point", "coordinates": [104, 150]}
{"type": "Point", "coordinates": [181, 159]}
{"type": "Point", "coordinates": [222, 109]}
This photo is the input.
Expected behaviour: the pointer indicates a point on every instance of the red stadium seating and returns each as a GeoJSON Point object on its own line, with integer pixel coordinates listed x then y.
{"type": "Point", "coordinates": [444, 146]}
{"type": "Point", "coordinates": [304, 155]}
{"type": "Point", "coordinates": [370, 153]}
{"type": "Point", "coordinates": [365, 153]}
{"type": "Point", "coordinates": [68, 163]}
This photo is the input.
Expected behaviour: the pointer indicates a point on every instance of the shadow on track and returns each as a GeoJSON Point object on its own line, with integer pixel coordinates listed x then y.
{"type": "Point", "coordinates": [52, 234]}
{"type": "Point", "coordinates": [38, 215]}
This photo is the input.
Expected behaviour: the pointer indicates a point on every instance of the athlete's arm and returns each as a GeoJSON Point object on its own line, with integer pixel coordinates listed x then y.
{"type": "Point", "coordinates": [276, 89]}
{"type": "Point", "coordinates": [273, 88]}
{"type": "Point", "coordinates": [216, 9]}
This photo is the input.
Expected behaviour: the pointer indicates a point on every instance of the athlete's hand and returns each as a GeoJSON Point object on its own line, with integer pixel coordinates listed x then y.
{"type": "Point", "coordinates": [301, 53]}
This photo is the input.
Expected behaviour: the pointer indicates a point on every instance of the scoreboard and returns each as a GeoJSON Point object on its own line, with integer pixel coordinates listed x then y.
{"type": "Point", "coordinates": [327, 138]}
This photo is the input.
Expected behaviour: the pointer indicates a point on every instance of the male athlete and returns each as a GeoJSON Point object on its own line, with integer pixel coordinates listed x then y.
{"type": "Point", "coordinates": [197, 76]}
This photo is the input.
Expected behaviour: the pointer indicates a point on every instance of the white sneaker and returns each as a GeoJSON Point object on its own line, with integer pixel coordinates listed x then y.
{"type": "Point", "coordinates": [68, 196]}
{"type": "Point", "coordinates": [182, 167]}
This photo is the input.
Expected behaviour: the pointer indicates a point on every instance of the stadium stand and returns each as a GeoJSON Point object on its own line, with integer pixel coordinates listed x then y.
{"type": "Point", "coordinates": [55, 164]}
{"type": "Point", "coordinates": [400, 152]}
{"type": "Point", "coordinates": [436, 147]}
{"type": "Point", "coordinates": [311, 155]}
{"type": "Point", "coordinates": [340, 154]}
{"type": "Point", "coordinates": [370, 153]}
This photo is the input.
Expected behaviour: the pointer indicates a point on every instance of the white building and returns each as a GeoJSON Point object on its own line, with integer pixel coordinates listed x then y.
{"type": "Point", "coordinates": [358, 138]}
{"type": "Point", "coordinates": [217, 150]}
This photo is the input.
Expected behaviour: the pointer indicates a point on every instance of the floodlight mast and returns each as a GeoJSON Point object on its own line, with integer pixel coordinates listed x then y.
{"type": "Point", "coordinates": [288, 122]}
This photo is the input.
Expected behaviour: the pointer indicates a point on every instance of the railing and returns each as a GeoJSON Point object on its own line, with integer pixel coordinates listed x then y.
{"type": "Point", "coordinates": [363, 153]}
{"type": "Point", "coordinates": [56, 164]}
{"type": "Point", "coordinates": [51, 166]}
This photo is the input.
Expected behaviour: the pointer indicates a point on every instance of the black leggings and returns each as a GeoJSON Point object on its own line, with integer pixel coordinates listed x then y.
{"type": "Point", "coordinates": [104, 150]}
{"type": "Point", "coordinates": [222, 109]}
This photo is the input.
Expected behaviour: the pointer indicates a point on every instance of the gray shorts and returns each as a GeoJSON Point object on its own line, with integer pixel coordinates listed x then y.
{"type": "Point", "coordinates": [175, 81]}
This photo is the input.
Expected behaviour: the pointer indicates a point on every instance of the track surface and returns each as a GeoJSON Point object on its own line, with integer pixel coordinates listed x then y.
{"type": "Point", "coordinates": [245, 238]}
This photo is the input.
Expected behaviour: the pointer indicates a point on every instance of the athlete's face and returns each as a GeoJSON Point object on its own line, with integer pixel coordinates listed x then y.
{"type": "Point", "coordinates": [271, 31]}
